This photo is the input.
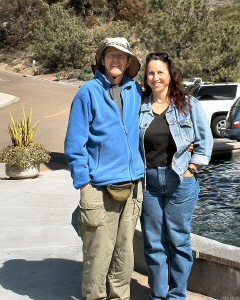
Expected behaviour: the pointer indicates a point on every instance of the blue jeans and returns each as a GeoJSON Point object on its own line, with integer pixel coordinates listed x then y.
{"type": "Point", "coordinates": [168, 206]}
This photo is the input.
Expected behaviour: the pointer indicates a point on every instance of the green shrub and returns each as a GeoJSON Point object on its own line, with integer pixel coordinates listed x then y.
{"type": "Point", "coordinates": [85, 73]}
{"type": "Point", "coordinates": [25, 157]}
{"type": "Point", "coordinates": [61, 41]}
{"type": "Point", "coordinates": [58, 76]}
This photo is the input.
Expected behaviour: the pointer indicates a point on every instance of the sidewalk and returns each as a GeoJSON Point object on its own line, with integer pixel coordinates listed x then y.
{"type": "Point", "coordinates": [41, 256]}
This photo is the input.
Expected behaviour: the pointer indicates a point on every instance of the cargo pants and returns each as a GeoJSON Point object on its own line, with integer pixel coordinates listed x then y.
{"type": "Point", "coordinates": [106, 227]}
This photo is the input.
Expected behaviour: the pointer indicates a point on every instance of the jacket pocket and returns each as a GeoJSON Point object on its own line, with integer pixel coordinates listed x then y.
{"type": "Point", "coordinates": [186, 126]}
{"type": "Point", "coordinates": [95, 160]}
{"type": "Point", "coordinates": [92, 211]}
{"type": "Point", "coordinates": [186, 123]}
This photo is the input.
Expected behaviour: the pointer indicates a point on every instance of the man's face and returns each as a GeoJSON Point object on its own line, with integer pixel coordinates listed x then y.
{"type": "Point", "coordinates": [115, 62]}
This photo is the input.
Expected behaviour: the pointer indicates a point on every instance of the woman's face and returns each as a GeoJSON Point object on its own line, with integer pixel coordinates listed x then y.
{"type": "Point", "coordinates": [158, 76]}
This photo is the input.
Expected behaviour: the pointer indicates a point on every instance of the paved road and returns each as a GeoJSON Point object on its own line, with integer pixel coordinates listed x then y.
{"type": "Point", "coordinates": [50, 102]}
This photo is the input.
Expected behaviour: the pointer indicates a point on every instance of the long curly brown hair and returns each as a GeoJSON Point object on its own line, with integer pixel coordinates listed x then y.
{"type": "Point", "coordinates": [176, 92]}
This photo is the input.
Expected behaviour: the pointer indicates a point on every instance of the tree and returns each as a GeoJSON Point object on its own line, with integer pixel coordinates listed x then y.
{"type": "Point", "coordinates": [130, 11]}
{"type": "Point", "coordinates": [112, 29]}
{"type": "Point", "coordinates": [61, 41]}
{"type": "Point", "coordinates": [87, 8]}
{"type": "Point", "coordinates": [17, 19]}
{"type": "Point", "coordinates": [188, 32]}
{"type": "Point", "coordinates": [174, 26]}
{"type": "Point", "coordinates": [219, 55]}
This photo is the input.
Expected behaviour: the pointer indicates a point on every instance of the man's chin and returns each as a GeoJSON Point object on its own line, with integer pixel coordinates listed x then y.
{"type": "Point", "coordinates": [116, 74]}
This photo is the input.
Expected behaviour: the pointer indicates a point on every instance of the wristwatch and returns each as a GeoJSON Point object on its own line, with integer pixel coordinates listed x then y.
{"type": "Point", "coordinates": [192, 170]}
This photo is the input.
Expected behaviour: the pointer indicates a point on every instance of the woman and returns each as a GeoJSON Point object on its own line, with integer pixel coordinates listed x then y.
{"type": "Point", "coordinates": [170, 120]}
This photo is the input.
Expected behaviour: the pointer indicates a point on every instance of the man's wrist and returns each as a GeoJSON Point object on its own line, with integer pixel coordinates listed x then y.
{"type": "Point", "coordinates": [83, 187]}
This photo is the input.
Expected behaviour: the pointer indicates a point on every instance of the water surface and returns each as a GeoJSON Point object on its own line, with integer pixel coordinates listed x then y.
{"type": "Point", "coordinates": [217, 215]}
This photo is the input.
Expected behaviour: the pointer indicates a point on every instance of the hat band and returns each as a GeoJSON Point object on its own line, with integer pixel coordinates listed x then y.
{"type": "Point", "coordinates": [118, 44]}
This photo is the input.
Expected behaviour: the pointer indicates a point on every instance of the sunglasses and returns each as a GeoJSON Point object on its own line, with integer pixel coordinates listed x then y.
{"type": "Point", "coordinates": [158, 55]}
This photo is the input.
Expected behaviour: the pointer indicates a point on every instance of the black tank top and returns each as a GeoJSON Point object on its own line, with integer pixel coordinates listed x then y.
{"type": "Point", "coordinates": [158, 142]}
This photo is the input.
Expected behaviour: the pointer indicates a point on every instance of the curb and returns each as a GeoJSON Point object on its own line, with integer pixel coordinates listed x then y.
{"type": "Point", "coordinates": [6, 99]}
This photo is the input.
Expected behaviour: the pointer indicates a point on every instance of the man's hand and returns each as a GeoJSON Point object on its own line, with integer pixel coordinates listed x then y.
{"type": "Point", "coordinates": [191, 147]}
{"type": "Point", "coordinates": [83, 188]}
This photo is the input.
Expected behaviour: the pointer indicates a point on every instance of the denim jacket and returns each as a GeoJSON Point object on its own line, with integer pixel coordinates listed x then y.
{"type": "Point", "coordinates": [187, 127]}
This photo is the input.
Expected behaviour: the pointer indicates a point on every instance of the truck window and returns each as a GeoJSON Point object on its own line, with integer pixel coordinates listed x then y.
{"type": "Point", "coordinates": [221, 92]}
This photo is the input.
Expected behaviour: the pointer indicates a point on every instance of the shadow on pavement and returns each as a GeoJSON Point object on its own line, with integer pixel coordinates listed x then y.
{"type": "Point", "coordinates": [59, 158]}
{"type": "Point", "coordinates": [58, 162]}
{"type": "Point", "coordinates": [139, 291]}
{"type": "Point", "coordinates": [43, 280]}
{"type": "Point", "coordinates": [52, 279]}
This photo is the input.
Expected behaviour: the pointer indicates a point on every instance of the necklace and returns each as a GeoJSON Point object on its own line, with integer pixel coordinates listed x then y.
{"type": "Point", "coordinates": [154, 101]}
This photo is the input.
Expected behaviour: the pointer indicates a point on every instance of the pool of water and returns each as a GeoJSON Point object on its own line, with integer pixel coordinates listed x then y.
{"type": "Point", "coordinates": [217, 215]}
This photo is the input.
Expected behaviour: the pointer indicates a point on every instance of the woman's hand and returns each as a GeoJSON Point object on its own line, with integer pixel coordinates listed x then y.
{"type": "Point", "coordinates": [188, 174]}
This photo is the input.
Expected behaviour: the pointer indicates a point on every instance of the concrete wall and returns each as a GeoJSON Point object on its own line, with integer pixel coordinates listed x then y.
{"type": "Point", "coordinates": [216, 269]}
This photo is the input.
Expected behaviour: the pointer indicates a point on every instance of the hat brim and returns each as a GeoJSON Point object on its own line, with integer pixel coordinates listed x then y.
{"type": "Point", "coordinates": [131, 71]}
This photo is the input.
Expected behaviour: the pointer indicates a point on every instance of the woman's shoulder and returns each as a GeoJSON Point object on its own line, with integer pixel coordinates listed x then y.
{"type": "Point", "coordinates": [191, 99]}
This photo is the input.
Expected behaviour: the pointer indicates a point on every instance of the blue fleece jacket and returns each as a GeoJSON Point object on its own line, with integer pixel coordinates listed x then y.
{"type": "Point", "coordinates": [102, 145]}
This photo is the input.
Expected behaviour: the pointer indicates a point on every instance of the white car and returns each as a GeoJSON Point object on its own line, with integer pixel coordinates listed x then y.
{"type": "Point", "coordinates": [217, 99]}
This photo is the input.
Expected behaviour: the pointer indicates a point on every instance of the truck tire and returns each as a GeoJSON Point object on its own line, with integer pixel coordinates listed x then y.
{"type": "Point", "coordinates": [217, 123]}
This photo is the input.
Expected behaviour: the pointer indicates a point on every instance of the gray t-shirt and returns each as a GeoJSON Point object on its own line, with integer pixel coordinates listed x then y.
{"type": "Point", "coordinates": [115, 94]}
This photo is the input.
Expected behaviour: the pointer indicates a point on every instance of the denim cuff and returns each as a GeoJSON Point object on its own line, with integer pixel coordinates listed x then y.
{"type": "Point", "coordinates": [199, 159]}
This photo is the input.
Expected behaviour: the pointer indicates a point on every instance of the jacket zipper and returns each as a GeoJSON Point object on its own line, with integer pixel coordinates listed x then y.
{"type": "Point", "coordinates": [129, 167]}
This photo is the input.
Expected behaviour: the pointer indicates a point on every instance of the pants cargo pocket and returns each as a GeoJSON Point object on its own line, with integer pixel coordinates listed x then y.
{"type": "Point", "coordinates": [92, 211]}
{"type": "Point", "coordinates": [137, 208]}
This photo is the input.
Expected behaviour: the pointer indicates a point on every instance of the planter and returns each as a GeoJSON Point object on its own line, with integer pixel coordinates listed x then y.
{"type": "Point", "coordinates": [23, 151]}
{"type": "Point", "coordinates": [16, 172]}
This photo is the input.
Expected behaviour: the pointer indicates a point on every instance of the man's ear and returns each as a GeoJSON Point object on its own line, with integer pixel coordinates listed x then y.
{"type": "Point", "coordinates": [102, 60]}
{"type": "Point", "coordinates": [129, 61]}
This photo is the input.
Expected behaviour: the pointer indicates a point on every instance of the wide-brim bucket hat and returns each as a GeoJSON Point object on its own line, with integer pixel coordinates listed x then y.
{"type": "Point", "coordinates": [122, 44]}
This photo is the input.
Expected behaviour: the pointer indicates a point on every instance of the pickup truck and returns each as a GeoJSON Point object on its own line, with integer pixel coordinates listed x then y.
{"type": "Point", "coordinates": [216, 100]}
{"type": "Point", "coordinates": [193, 81]}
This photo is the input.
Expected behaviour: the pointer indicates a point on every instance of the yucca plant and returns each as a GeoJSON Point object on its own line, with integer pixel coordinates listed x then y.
{"type": "Point", "coordinates": [22, 134]}
{"type": "Point", "coordinates": [23, 152]}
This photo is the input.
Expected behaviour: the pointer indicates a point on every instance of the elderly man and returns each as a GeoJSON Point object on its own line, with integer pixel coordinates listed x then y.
{"type": "Point", "coordinates": [102, 149]}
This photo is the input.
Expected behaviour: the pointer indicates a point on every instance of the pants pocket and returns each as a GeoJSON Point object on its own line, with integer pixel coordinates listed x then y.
{"type": "Point", "coordinates": [186, 191]}
{"type": "Point", "coordinates": [137, 201]}
{"type": "Point", "coordinates": [91, 207]}
{"type": "Point", "coordinates": [137, 208]}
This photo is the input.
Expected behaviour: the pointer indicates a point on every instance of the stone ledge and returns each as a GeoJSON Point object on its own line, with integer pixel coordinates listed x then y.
{"type": "Point", "coordinates": [216, 269]}
{"type": "Point", "coordinates": [211, 250]}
